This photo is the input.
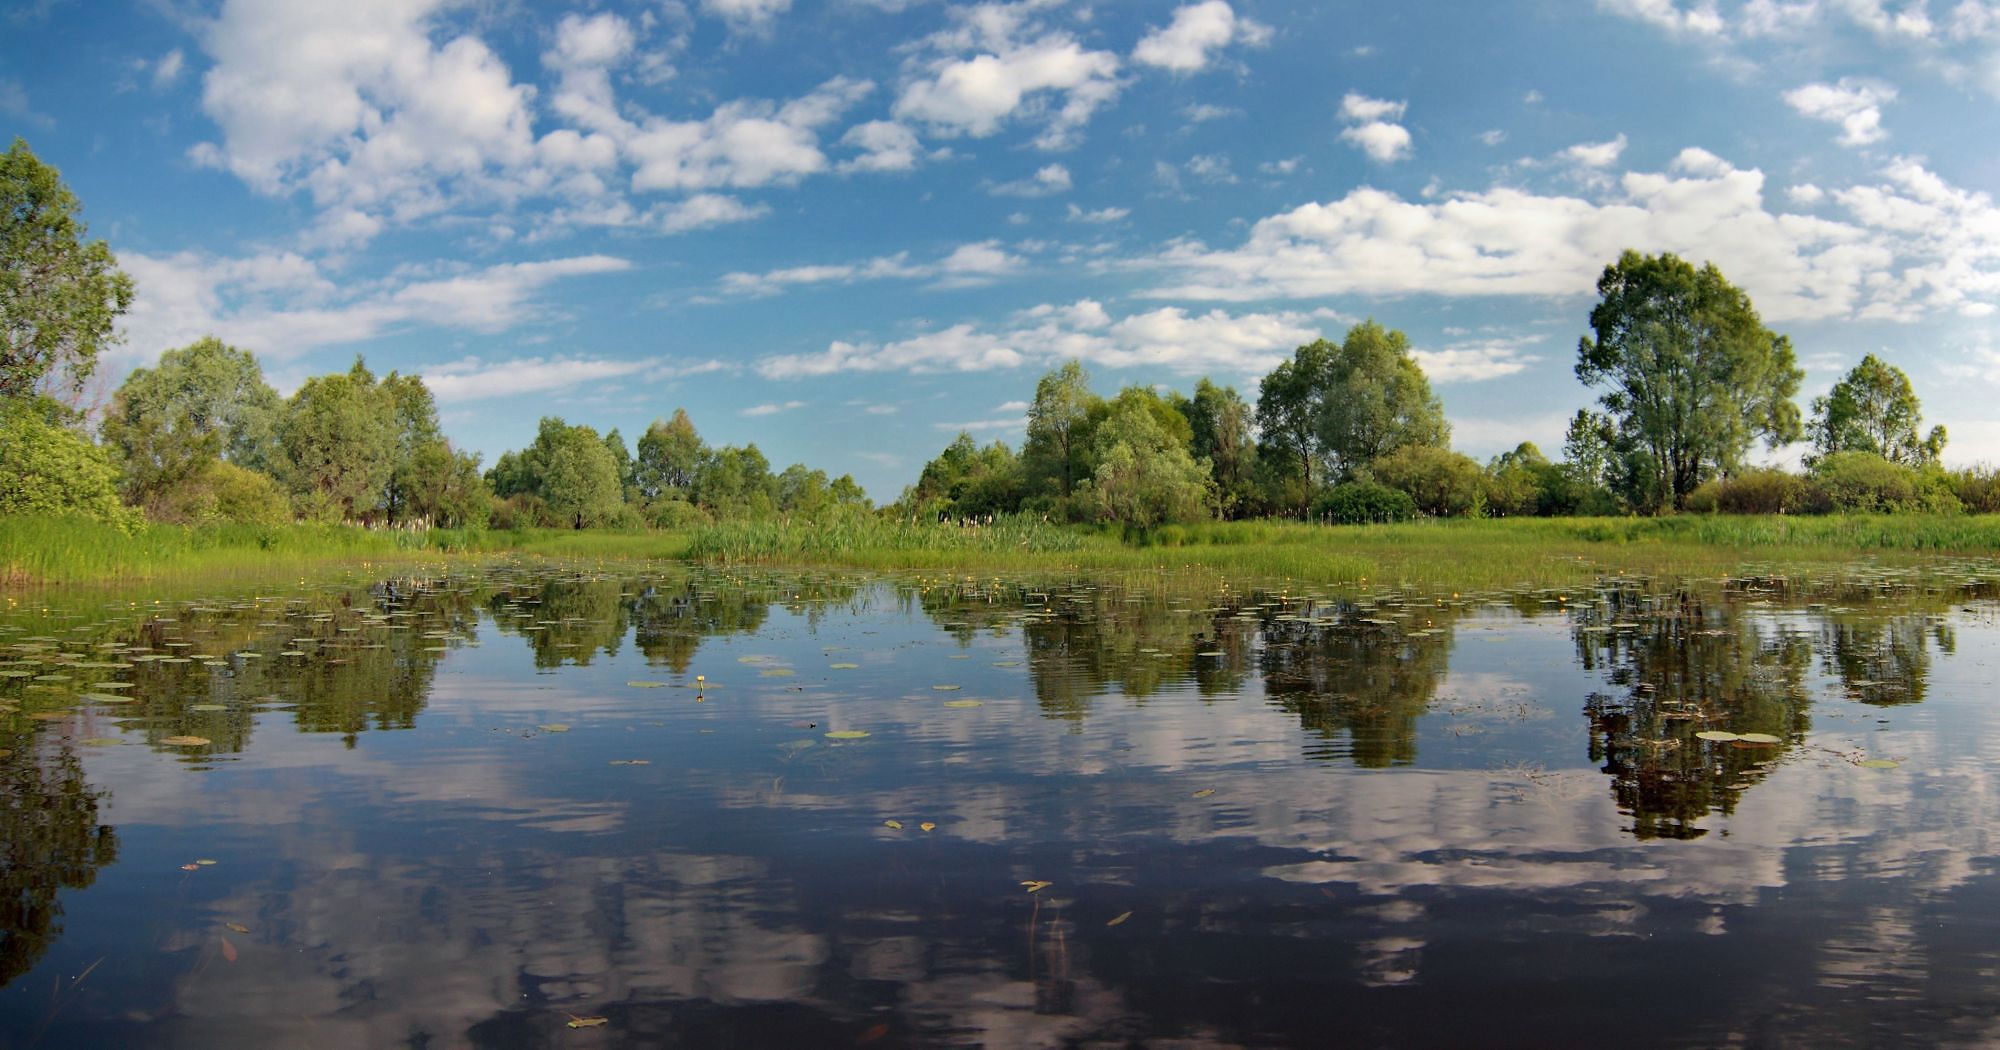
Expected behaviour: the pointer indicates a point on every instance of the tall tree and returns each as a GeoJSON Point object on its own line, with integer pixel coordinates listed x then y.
{"type": "Point", "coordinates": [579, 475]}
{"type": "Point", "coordinates": [1334, 409]}
{"type": "Point", "coordinates": [1058, 429]}
{"type": "Point", "coordinates": [670, 453]}
{"type": "Point", "coordinates": [60, 296]}
{"type": "Point", "coordinates": [1289, 400]}
{"type": "Point", "coordinates": [1144, 475]}
{"type": "Point", "coordinates": [1694, 377]}
{"type": "Point", "coordinates": [338, 436]}
{"type": "Point", "coordinates": [200, 403]}
{"type": "Point", "coordinates": [1220, 424]}
{"type": "Point", "coordinates": [1873, 409]}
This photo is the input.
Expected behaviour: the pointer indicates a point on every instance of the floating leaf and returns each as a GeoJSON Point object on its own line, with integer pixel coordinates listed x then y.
{"type": "Point", "coordinates": [1204, 793]}
{"type": "Point", "coordinates": [205, 707]}
{"type": "Point", "coordinates": [190, 867]}
{"type": "Point", "coordinates": [1119, 919]}
{"type": "Point", "coordinates": [927, 826]}
{"type": "Point", "coordinates": [777, 672]}
{"type": "Point", "coordinates": [965, 703]}
{"type": "Point", "coordinates": [237, 926]}
{"type": "Point", "coordinates": [1880, 763]}
{"type": "Point", "coordinates": [587, 1022]}
{"type": "Point", "coordinates": [107, 698]}
{"type": "Point", "coordinates": [644, 684]}
{"type": "Point", "coordinates": [1761, 738]}
{"type": "Point", "coordinates": [947, 688]}
{"type": "Point", "coordinates": [1036, 885]}
{"type": "Point", "coordinates": [186, 741]}
{"type": "Point", "coordinates": [848, 734]}
{"type": "Point", "coordinates": [1716, 734]}
{"type": "Point", "coordinates": [100, 741]}
{"type": "Point", "coordinates": [554, 727]}
{"type": "Point", "coordinates": [205, 862]}
{"type": "Point", "coordinates": [631, 761]}
{"type": "Point", "coordinates": [843, 666]}
{"type": "Point", "coordinates": [897, 824]}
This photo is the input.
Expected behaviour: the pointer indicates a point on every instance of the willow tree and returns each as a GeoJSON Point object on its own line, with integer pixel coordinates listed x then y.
{"type": "Point", "coordinates": [1874, 409]}
{"type": "Point", "coordinates": [1333, 409]}
{"type": "Point", "coordinates": [60, 295]}
{"type": "Point", "coordinates": [1693, 376]}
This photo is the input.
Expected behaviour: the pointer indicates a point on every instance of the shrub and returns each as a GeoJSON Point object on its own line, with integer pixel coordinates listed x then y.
{"type": "Point", "coordinates": [1759, 491]}
{"type": "Point", "coordinates": [1363, 503]}
{"type": "Point", "coordinates": [222, 494]}
{"type": "Point", "coordinates": [1864, 481]}
{"type": "Point", "coordinates": [52, 470]}
{"type": "Point", "coordinates": [1977, 489]}
{"type": "Point", "coordinates": [1443, 483]}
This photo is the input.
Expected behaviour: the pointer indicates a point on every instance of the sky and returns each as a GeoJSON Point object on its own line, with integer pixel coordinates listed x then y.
{"type": "Point", "coordinates": [847, 229]}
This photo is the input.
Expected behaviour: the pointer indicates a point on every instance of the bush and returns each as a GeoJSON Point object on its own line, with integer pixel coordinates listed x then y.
{"type": "Point", "coordinates": [1443, 483]}
{"type": "Point", "coordinates": [520, 511]}
{"type": "Point", "coordinates": [1759, 491]}
{"type": "Point", "coordinates": [1363, 503]}
{"type": "Point", "coordinates": [1977, 489]}
{"type": "Point", "coordinates": [222, 494]}
{"type": "Point", "coordinates": [1864, 481]}
{"type": "Point", "coordinates": [675, 514]}
{"type": "Point", "coordinates": [50, 470]}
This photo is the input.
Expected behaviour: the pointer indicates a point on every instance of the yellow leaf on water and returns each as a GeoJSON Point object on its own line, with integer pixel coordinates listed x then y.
{"type": "Point", "coordinates": [185, 741]}
{"type": "Point", "coordinates": [1122, 916]}
{"type": "Point", "coordinates": [927, 826]}
{"type": "Point", "coordinates": [237, 926]}
{"type": "Point", "coordinates": [1204, 792]}
{"type": "Point", "coordinates": [587, 1022]}
{"type": "Point", "coordinates": [553, 727]}
{"type": "Point", "coordinates": [897, 824]}
{"type": "Point", "coordinates": [1036, 885]}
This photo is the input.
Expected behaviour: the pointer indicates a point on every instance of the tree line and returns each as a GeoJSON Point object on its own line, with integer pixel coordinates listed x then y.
{"type": "Point", "coordinates": [1688, 380]}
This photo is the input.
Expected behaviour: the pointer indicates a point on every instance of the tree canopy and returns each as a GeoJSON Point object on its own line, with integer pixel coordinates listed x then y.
{"type": "Point", "coordinates": [60, 294]}
{"type": "Point", "coordinates": [1692, 376]}
{"type": "Point", "coordinates": [201, 403]}
{"type": "Point", "coordinates": [1873, 409]}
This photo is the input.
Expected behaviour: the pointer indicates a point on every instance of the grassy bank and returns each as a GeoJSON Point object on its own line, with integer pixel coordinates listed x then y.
{"type": "Point", "coordinates": [1457, 553]}
{"type": "Point", "coordinates": [36, 551]}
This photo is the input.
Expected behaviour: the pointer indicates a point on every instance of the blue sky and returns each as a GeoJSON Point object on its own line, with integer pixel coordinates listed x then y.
{"type": "Point", "coordinates": [846, 229]}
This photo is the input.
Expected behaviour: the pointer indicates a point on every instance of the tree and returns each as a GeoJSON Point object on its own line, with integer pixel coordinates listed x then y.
{"type": "Point", "coordinates": [1873, 409]}
{"type": "Point", "coordinates": [443, 486]}
{"type": "Point", "coordinates": [579, 477]}
{"type": "Point", "coordinates": [1058, 429]}
{"type": "Point", "coordinates": [1444, 484]}
{"type": "Point", "coordinates": [201, 403]}
{"type": "Point", "coordinates": [736, 482]}
{"type": "Point", "coordinates": [1332, 410]}
{"type": "Point", "coordinates": [60, 297]}
{"type": "Point", "coordinates": [1693, 375]}
{"type": "Point", "coordinates": [1220, 426]}
{"type": "Point", "coordinates": [339, 437]}
{"type": "Point", "coordinates": [1288, 411]}
{"type": "Point", "coordinates": [1144, 475]}
{"type": "Point", "coordinates": [222, 493]}
{"type": "Point", "coordinates": [669, 455]}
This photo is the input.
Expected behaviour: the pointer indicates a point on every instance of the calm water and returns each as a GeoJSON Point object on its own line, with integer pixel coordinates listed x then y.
{"type": "Point", "coordinates": [471, 811]}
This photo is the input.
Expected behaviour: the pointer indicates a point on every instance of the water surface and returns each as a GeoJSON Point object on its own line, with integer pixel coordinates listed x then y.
{"type": "Point", "coordinates": [478, 810]}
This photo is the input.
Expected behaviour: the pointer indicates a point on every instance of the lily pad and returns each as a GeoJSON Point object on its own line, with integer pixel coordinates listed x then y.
{"type": "Point", "coordinates": [1879, 763]}
{"type": "Point", "coordinates": [646, 684]}
{"type": "Point", "coordinates": [947, 688]}
{"type": "Point", "coordinates": [206, 707]}
{"type": "Point", "coordinates": [893, 824]}
{"type": "Point", "coordinates": [965, 703]}
{"type": "Point", "coordinates": [107, 698]}
{"type": "Point", "coordinates": [554, 727]}
{"type": "Point", "coordinates": [776, 672]}
{"type": "Point", "coordinates": [185, 741]}
{"type": "Point", "coordinates": [848, 734]}
{"type": "Point", "coordinates": [1761, 738]}
{"type": "Point", "coordinates": [1716, 735]}
{"type": "Point", "coordinates": [843, 666]}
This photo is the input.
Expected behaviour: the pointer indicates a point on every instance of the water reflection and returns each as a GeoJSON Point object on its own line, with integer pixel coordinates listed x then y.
{"type": "Point", "coordinates": [463, 810]}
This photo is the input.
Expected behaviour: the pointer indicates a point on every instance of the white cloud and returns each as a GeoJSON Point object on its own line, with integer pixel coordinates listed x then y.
{"type": "Point", "coordinates": [1202, 112]}
{"type": "Point", "coordinates": [1011, 406]}
{"type": "Point", "coordinates": [168, 68]}
{"type": "Point", "coordinates": [1015, 66]}
{"type": "Point", "coordinates": [964, 266]}
{"type": "Point", "coordinates": [1492, 137]}
{"type": "Point", "coordinates": [976, 426]}
{"type": "Point", "coordinates": [743, 143]}
{"type": "Point", "coordinates": [1189, 42]}
{"type": "Point", "coordinates": [1170, 338]}
{"type": "Point", "coordinates": [1048, 180]}
{"type": "Point", "coordinates": [1595, 154]}
{"type": "Point", "coordinates": [885, 145]}
{"type": "Point", "coordinates": [752, 15]}
{"type": "Point", "coordinates": [1855, 105]}
{"type": "Point", "coordinates": [1281, 167]}
{"type": "Point", "coordinates": [473, 379]}
{"type": "Point", "coordinates": [1699, 19]}
{"type": "Point", "coordinates": [1910, 244]}
{"type": "Point", "coordinates": [704, 210]}
{"type": "Point", "coordinates": [771, 409]}
{"type": "Point", "coordinates": [1360, 109]}
{"type": "Point", "coordinates": [1384, 143]}
{"type": "Point", "coordinates": [1805, 194]}
{"type": "Point", "coordinates": [1472, 362]}
{"type": "Point", "coordinates": [1098, 215]}
{"type": "Point", "coordinates": [281, 306]}
{"type": "Point", "coordinates": [1211, 167]}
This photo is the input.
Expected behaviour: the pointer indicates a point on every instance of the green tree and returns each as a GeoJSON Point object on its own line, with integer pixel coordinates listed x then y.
{"type": "Point", "coordinates": [1219, 422]}
{"type": "Point", "coordinates": [222, 493]}
{"type": "Point", "coordinates": [1289, 402]}
{"type": "Point", "coordinates": [736, 483]}
{"type": "Point", "coordinates": [48, 469]}
{"type": "Point", "coordinates": [443, 486]}
{"type": "Point", "coordinates": [670, 453]}
{"type": "Point", "coordinates": [579, 475]}
{"type": "Point", "coordinates": [339, 438]}
{"type": "Point", "coordinates": [1443, 483]}
{"type": "Point", "coordinates": [1694, 376]}
{"type": "Point", "coordinates": [1873, 409]}
{"type": "Point", "coordinates": [60, 296]}
{"type": "Point", "coordinates": [1144, 475]}
{"type": "Point", "coordinates": [1332, 410]}
{"type": "Point", "coordinates": [1058, 430]}
{"type": "Point", "coordinates": [200, 403]}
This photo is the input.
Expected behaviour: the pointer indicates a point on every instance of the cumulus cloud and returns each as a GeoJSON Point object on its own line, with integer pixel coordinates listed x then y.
{"type": "Point", "coordinates": [885, 146]}
{"type": "Point", "coordinates": [1855, 105]}
{"type": "Point", "coordinates": [1697, 19]}
{"type": "Point", "coordinates": [1478, 360]}
{"type": "Point", "coordinates": [281, 305]}
{"type": "Point", "coordinates": [1016, 67]}
{"type": "Point", "coordinates": [744, 143]}
{"type": "Point", "coordinates": [1171, 338]}
{"type": "Point", "coordinates": [1595, 154]}
{"type": "Point", "coordinates": [752, 15]}
{"type": "Point", "coordinates": [1098, 215]}
{"type": "Point", "coordinates": [771, 409]}
{"type": "Point", "coordinates": [1048, 180]}
{"type": "Point", "coordinates": [964, 266]}
{"type": "Point", "coordinates": [706, 209]}
{"type": "Point", "coordinates": [1910, 244]}
{"type": "Point", "coordinates": [1372, 128]}
{"type": "Point", "coordinates": [1189, 42]}
{"type": "Point", "coordinates": [474, 379]}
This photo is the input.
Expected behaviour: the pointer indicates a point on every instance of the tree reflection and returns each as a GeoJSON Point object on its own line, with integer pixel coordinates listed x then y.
{"type": "Point", "coordinates": [1360, 677]}
{"type": "Point", "coordinates": [50, 841]}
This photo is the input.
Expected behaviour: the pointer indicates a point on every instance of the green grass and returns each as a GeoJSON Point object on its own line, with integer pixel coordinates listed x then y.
{"type": "Point", "coordinates": [41, 551]}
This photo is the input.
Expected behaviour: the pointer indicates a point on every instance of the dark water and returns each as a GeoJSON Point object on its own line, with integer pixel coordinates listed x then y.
{"type": "Point", "coordinates": [470, 811]}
